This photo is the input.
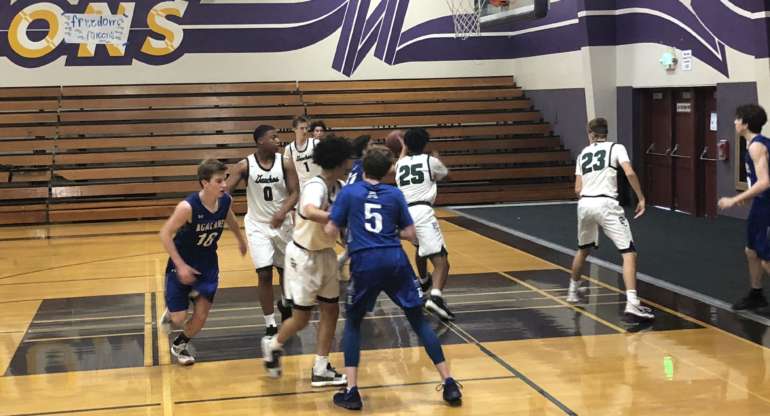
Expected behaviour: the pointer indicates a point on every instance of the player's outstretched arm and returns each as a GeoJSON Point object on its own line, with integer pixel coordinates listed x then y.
{"type": "Point", "coordinates": [232, 224]}
{"type": "Point", "coordinates": [633, 180]}
{"type": "Point", "coordinates": [182, 214]}
{"type": "Point", "coordinates": [758, 154]}
{"type": "Point", "coordinates": [236, 173]}
{"type": "Point", "coordinates": [437, 167]}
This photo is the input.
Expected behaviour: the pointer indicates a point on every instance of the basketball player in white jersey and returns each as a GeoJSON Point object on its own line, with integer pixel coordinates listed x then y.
{"type": "Point", "coordinates": [271, 192]}
{"type": "Point", "coordinates": [596, 185]}
{"type": "Point", "coordinates": [298, 154]}
{"type": "Point", "coordinates": [312, 277]}
{"type": "Point", "coordinates": [416, 176]}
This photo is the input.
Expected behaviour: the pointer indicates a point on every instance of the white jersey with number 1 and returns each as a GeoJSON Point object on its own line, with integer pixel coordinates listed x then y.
{"type": "Point", "coordinates": [303, 160]}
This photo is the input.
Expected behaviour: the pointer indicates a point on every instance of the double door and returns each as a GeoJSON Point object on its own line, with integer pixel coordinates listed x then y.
{"type": "Point", "coordinates": [679, 139]}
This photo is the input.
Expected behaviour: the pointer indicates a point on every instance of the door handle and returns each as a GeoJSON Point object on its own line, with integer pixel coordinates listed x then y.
{"type": "Point", "coordinates": [704, 153]}
{"type": "Point", "coordinates": [676, 149]}
{"type": "Point", "coordinates": [650, 151]}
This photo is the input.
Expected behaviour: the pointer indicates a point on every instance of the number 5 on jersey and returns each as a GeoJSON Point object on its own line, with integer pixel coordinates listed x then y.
{"type": "Point", "coordinates": [375, 226]}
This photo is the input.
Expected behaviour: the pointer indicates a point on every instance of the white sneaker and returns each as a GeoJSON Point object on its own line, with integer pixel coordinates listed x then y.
{"type": "Point", "coordinates": [329, 377]}
{"type": "Point", "coordinates": [182, 354]}
{"type": "Point", "coordinates": [272, 357]}
{"type": "Point", "coordinates": [580, 292]}
{"type": "Point", "coordinates": [639, 312]}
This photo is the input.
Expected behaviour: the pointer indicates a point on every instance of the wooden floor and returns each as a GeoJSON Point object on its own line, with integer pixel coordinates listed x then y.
{"type": "Point", "coordinates": [516, 347]}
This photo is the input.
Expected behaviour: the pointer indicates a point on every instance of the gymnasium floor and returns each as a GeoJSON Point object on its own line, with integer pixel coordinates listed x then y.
{"type": "Point", "coordinates": [78, 336]}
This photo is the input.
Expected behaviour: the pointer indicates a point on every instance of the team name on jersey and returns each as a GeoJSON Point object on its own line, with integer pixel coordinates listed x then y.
{"type": "Point", "coordinates": [303, 158]}
{"type": "Point", "coordinates": [261, 178]}
{"type": "Point", "coordinates": [210, 226]}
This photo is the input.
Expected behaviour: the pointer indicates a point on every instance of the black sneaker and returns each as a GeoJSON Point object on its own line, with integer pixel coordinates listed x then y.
{"type": "Point", "coordinates": [436, 305]}
{"type": "Point", "coordinates": [329, 377]}
{"type": "Point", "coordinates": [425, 285]}
{"type": "Point", "coordinates": [271, 330]}
{"type": "Point", "coordinates": [284, 309]}
{"type": "Point", "coordinates": [349, 399]}
{"type": "Point", "coordinates": [452, 394]}
{"type": "Point", "coordinates": [754, 300]}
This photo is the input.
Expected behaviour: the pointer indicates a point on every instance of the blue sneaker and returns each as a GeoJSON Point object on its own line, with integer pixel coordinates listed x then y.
{"type": "Point", "coordinates": [452, 394]}
{"type": "Point", "coordinates": [349, 399]}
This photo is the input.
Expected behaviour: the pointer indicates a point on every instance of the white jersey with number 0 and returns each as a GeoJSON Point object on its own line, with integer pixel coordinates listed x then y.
{"type": "Point", "coordinates": [416, 177]}
{"type": "Point", "coordinates": [598, 165]}
{"type": "Point", "coordinates": [265, 189]}
{"type": "Point", "coordinates": [303, 160]}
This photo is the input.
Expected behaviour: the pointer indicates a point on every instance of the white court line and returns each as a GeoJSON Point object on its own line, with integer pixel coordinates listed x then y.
{"type": "Point", "coordinates": [514, 204]}
{"type": "Point", "coordinates": [612, 266]}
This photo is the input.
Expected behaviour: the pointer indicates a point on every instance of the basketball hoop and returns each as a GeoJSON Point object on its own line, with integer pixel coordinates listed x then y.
{"type": "Point", "coordinates": [466, 15]}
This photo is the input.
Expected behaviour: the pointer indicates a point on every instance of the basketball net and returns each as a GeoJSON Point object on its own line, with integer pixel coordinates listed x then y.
{"type": "Point", "coordinates": [466, 16]}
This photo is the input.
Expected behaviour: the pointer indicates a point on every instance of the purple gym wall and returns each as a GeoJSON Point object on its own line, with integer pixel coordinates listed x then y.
{"type": "Point", "coordinates": [276, 27]}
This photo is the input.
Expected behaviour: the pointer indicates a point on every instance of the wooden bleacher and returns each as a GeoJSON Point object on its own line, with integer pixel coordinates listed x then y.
{"type": "Point", "coordinates": [125, 152]}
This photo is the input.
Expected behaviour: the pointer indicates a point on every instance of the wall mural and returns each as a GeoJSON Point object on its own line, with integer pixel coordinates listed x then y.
{"type": "Point", "coordinates": [162, 31]}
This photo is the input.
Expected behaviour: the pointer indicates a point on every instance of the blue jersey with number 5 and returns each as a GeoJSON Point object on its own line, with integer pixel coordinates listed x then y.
{"type": "Point", "coordinates": [373, 215]}
{"type": "Point", "coordinates": [197, 240]}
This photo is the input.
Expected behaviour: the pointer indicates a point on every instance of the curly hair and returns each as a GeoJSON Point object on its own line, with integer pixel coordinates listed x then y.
{"type": "Point", "coordinates": [332, 152]}
{"type": "Point", "coordinates": [416, 140]}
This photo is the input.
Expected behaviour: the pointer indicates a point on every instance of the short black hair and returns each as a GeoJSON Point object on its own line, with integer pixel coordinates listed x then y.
{"type": "Point", "coordinates": [416, 139]}
{"type": "Point", "coordinates": [299, 119]}
{"type": "Point", "coordinates": [332, 152]}
{"type": "Point", "coordinates": [208, 168]}
{"type": "Point", "coordinates": [317, 123]}
{"type": "Point", "coordinates": [753, 115]}
{"type": "Point", "coordinates": [261, 130]}
{"type": "Point", "coordinates": [377, 162]}
{"type": "Point", "coordinates": [359, 145]}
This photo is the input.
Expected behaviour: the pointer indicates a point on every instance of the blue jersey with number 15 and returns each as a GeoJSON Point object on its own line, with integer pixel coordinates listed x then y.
{"type": "Point", "coordinates": [373, 215]}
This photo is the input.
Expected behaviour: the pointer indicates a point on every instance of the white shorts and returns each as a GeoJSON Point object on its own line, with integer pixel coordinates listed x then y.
{"type": "Point", "coordinates": [607, 214]}
{"type": "Point", "coordinates": [311, 276]}
{"type": "Point", "coordinates": [267, 245]}
{"type": "Point", "coordinates": [430, 241]}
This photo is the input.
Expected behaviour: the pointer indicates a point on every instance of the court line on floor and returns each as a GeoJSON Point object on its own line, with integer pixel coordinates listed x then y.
{"type": "Point", "coordinates": [330, 390]}
{"type": "Point", "coordinates": [95, 409]}
{"type": "Point", "coordinates": [467, 337]}
{"type": "Point", "coordinates": [619, 269]}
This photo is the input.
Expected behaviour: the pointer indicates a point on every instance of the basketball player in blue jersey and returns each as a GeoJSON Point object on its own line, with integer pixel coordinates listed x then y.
{"type": "Point", "coordinates": [190, 237]}
{"type": "Point", "coordinates": [749, 120]}
{"type": "Point", "coordinates": [360, 144]}
{"type": "Point", "coordinates": [377, 217]}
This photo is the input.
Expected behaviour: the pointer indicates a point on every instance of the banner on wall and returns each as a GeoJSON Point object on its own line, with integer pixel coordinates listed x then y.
{"type": "Point", "coordinates": [158, 32]}
{"type": "Point", "coordinates": [96, 29]}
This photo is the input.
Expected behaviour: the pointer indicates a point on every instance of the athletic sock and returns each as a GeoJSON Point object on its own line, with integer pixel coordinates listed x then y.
{"type": "Point", "coordinates": [631, 297]}
{"type": "Point", "coordinates": [435, 292]}
{"type": "Point", "coordinates": [270, 320]}
{"type": "Point", "coordinates": [321, 363]}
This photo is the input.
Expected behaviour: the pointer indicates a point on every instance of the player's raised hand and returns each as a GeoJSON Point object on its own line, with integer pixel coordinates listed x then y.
{"type": "Point", "coordinates": [640, 208]}
{"type": "Point", "coordinates": [187, 274]}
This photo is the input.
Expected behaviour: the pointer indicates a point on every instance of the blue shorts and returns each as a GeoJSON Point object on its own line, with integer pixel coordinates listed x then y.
{"type": "Point", "coordinates": [178, 294]}
{"type": "Point", "coordinates": [758, 228]}
{"type": "Point", "coordinates": [381, 270]}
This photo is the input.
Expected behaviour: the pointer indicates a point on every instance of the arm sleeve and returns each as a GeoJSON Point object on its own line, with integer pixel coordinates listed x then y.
{"type": "Point", "coordinates": [438, 168]}
{"type": "Point", "coordinates": [620, 154]}
{"type": "Point", "coordinates": [404, 218]}
{"type": "Point", "coordinates": [339, 214]}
